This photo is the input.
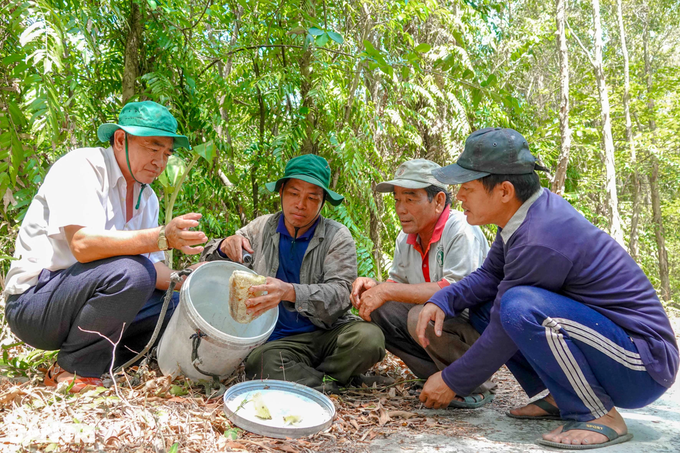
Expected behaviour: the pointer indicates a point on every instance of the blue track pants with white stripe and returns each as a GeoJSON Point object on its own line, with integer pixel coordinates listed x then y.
{"type": "Point", "coordinates": [588, 363]}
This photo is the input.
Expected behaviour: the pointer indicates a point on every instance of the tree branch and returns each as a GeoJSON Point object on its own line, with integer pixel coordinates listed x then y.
{"type": "Point", "coordinates": [207, 5]}
{"type": "Point", "coordinates": [581, 44]}
{"type": "Point", "coordinates": [259, 46]}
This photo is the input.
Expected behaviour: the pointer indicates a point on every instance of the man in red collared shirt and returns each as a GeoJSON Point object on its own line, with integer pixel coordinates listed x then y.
{"type": "Point", "coordinates": [437, 247]}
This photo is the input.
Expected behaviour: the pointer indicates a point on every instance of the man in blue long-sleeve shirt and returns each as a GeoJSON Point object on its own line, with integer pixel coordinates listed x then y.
{"type": "Point", "coordinates": [571, 307]}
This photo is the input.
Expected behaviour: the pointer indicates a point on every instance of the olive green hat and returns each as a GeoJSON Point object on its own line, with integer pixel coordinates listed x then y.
{"type": "Point", "coordinates": [412, 174]}
{"type": "Point", "coordinates": [312, 169]}
{"type": "Point", "coordinates": [145, 119]}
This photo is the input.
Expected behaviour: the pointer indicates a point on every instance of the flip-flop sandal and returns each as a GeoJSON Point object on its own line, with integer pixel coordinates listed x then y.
{"type": "Point", "coordinates": [473, 401]}
{"type": "Point", "coordinates": [613, 436]}
{"type": "Point", "coordinates": [553, 413]}
{"type": "Point", "coordinates": [75, 385]}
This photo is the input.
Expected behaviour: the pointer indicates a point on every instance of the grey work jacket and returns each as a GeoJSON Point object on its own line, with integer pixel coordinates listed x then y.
{"type": "Point", "coordinates": [329, 267]}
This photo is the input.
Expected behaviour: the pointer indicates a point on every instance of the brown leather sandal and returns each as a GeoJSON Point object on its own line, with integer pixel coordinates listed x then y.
{"type": "Point", "coordinates": [79, 383]}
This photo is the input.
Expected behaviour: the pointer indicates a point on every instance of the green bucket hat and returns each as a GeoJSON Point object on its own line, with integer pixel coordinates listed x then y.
{"type": "Point", "coordinates": [145, 119]}
{"type": "Point", "coordinates": [312, 169]}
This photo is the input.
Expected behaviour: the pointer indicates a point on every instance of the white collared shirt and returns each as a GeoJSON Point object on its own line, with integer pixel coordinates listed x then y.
{"type": "Point", "coordinates": [87, 188]}
{"type": "Point", "coordinates": [456, 249]}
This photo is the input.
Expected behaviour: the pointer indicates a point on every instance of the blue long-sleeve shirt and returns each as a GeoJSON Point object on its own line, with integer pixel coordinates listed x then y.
{"type": "Point", "coordinates": [291, 252]}
{"type": "Point", "coordinates": [557, 249]}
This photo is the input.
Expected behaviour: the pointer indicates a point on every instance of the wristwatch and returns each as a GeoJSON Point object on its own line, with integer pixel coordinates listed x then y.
{"type": "Point", "coordinates": [162, 240]}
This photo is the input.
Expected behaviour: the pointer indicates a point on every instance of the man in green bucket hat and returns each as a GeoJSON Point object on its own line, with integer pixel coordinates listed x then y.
{"type": "Point", "coordinates": [89, 265]}
{"type": "Point", "coordinates": [310, 263]}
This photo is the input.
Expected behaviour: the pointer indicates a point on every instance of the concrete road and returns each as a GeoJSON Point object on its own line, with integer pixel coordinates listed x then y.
{"type": "Point", "coordinates": [656, 429]}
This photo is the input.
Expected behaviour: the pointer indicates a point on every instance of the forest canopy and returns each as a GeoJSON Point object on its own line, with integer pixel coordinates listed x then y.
{"type": "Point", "coordinates": [592, 85]}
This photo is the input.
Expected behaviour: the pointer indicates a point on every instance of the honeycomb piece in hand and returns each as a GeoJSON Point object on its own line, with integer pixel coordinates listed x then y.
{"type": "Point", "coordinates": [239, 286]}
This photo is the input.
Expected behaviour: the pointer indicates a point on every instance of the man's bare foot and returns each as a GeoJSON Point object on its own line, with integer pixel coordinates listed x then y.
{"type": "Point", "coordinates": [581, 437]}
{"type": "Point", "coordinates": [532, 410]}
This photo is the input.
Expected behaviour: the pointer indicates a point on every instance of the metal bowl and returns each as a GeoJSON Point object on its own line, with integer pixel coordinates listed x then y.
{"type": "Point", "coordinates": [316, 410]}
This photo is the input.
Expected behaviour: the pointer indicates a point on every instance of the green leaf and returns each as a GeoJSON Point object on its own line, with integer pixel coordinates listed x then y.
{"type": "Point", "coordinates": [423, 48]}
{"type": "Point", "coordinates": [173, 172]}
{"type": "Point", "coordinates": [405, 72]}
{"type": "Point", "coordinates": [18, 117]}
{"type": "Point", "coordinates": [387, 69]}
{"type": "Point", "coordinates": [8, 60]}
{"type": "Point", "coordinates": [370, 49]}
{"type": "Point", "coordinates": [174, 448]}
{"type": "Point", "coordinates": [178, 390]}
{"type": "Point", "coordinates": [315, 31]}
{"type": "Point", "coordinates": [459, 38]}
{"type": "Point", "coordinates": [152, 4]}
{"type": "Point", "coordinates": [297, 31]}
{"type": "Point", "coordinates": [232, 433]}
{"type": "Point", "coordinates": [337, 37]}
{"type": "Point", "coordinates": [234, 179]}
{"type": "Point", "coordinates": [304, 110]}
{"type": "Point", "coordinates": [476, 97]}
{"type": "Point", "coordinates": [206, 151]}
{"type": "Point", "coordinates": [491, 81]}
{"type": "Point", "coordinates": [322, 40]}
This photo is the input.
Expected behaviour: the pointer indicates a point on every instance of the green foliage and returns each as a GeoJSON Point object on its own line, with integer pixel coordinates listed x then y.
{"type": "Point", "coordinates": [365, 85]}
{"type": "Point", "coordinates": [17, 361]}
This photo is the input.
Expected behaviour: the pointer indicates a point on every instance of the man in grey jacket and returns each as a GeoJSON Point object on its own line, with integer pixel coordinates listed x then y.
{"type": "Point", "coordinates": [310, 264]}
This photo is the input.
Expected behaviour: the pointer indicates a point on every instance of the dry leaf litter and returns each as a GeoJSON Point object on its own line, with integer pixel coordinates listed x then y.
{"type": "Point", "coordinates": [148, 412]}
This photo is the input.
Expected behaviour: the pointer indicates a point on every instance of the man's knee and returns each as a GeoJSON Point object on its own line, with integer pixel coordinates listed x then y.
{"type": "Point", "coordinates": [364, 339]}
{"type": "Point", "coordinates": [262, 361]}
{"type": "Point", "coordinates": [138, 269]}
{"type": "Point", "coordinates": [131, 274]}
{"type": "Point", "coordinates": [389, 316]}
{"type": "Point", "coordinates": [518, 305]}
{"type": "Point", "coordinates": [412, 322]}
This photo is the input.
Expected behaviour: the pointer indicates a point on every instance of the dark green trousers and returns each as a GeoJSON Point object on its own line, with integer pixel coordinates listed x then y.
{"type": "Point", "coordinates": [341, 353]}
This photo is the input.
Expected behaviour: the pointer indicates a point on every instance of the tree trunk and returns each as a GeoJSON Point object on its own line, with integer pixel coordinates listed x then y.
{"type": "Point", "coordinates": [657, 216]}
{"type": "Point", "coordinates": [134, 38]}
{"type": "Point", "coordinates": [260, 146]}
{"type": "Point", "coordinates": [565, 142]}
{"type": "Point", "coordinates": [375, 216]}
{"type": "Point", "coordinates": [633, 240]}
{"type": "Point", "coordinates": [607, 140]}
{"type": "Point", "coordinates": [659, 231]}
{"type": "Point", "coordinates": [308, 144]}
{"type": "Point", "coordinates": [225, 71]}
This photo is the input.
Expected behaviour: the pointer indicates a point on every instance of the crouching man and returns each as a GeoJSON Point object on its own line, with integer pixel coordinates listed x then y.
{"type": "Point", "coordinates": [437, 247]}
{"type": "Point", "coordinates": [89, 250]}
{"type": "Point", "coordinates": [572, 311]}
{"type": "Point", "coordinates": [310, 264]}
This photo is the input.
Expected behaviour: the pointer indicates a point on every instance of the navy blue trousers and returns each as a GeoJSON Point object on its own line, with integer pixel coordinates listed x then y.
{"type": "Point", "coordinates": [588, 363]}
{"type": "Point", "coordinates": [100, 296]}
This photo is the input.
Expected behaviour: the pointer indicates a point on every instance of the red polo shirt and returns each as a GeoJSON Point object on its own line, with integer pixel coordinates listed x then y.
{"type": "Point", "coordinates": [412, 240]}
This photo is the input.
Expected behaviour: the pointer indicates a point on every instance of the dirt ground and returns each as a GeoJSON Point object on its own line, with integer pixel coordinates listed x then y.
{"type": "Point", "coordinates": [146, 412]}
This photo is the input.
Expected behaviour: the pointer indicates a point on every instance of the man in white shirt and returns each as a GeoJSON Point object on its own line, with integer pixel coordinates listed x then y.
{"type": "Point", "coordinates": [90, 251]}
{"type": "Point", "coordinates": [436, 248]}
